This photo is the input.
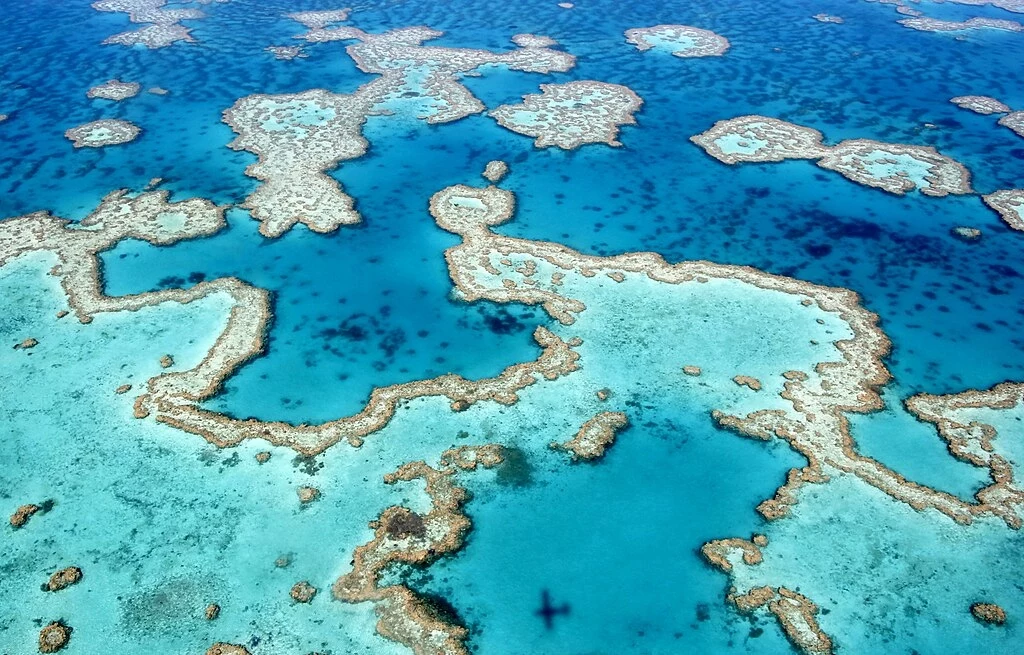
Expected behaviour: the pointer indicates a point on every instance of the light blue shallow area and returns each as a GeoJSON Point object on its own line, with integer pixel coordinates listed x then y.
{"type": "Point", "coordinates": [163, 524]}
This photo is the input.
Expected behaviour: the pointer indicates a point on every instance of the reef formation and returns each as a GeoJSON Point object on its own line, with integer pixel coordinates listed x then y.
{"type": "Point", "coordinates": [895, 168]}
{"type": "Point", "coordinates": [106, 132]}
{"type": "Point", "coordinates": [572, 114]}
{"type": "Point", "coordinates": [679, 40]}
{"type": "Point", "coordinates": [299, 137]}
{"type": "Point", "coordinates": [163, 26]}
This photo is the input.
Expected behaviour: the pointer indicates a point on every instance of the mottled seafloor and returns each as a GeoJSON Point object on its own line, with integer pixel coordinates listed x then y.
{"type": "Point", "coordinates": [162, 523]}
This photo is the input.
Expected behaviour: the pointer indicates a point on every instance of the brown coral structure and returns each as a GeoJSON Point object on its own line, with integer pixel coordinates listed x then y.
{"type": "Point", "coordinates": [114, 90]}
{"type": "Point", "coordinates": [263, 457]}
{"type": "Point", "coordinates": [27, 344]}
{"type": "Point", "coordinates": [402, 536]}
{"type": "Point", "coordinates": [23, 514]}
{"type": "Point", "coordinates": [1009, 204]}
{"type": "Point", "coordinates": [106, 132]}
{"type": "Point", "coordinates": [572, 114]}
{"type": "Point", "coordinates": [718, 552]}
{"type": "Point", "coordinates": [308, 494]}
{"type": "Point", "coordinates": [299, 137]}
{"type": "Point", "coordinates": [595, 436]}
{"type": "Point", "coordinates": [221, 648]}
{"type": "Point", "coordinates": [302, 592]}
{"type": "Point", "coordinates": [692, 371]}
{"type": "Point", "coordinates": [895, 168]}
{"type": "Point", "coordinates": [64, 578]}
{"type": "Point", "coordinates": [54, 637]}
{"type": "Point", "coordinates": [746, 381]}
{"type": "Point", "coordinates": [680, 40]}
{"type": "Point", "coordinates": [211, 612]}
{"type": "Point", "coordinates": [989, 613]}
{"type": "Point", "coordinates": [796, 614]}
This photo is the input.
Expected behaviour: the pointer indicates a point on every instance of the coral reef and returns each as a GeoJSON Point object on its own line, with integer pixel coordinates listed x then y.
{"type": "Point", "coordinates": [595, 436]}
{"type": "Point", "coordinates": [980, 104]}
{"type": "Point", "coordinates": [404, 537]}
{"type": "Point", "coordinates": [895, 168]}
{"type": "Point", "coordinates": [64, 578]}
{"type": "Point", "coordinates": [795, 613]}
{"type": "Point", "coordinates": [924, 24]}
{"type": "Point", "coordinates": [495, 171]}
{"type": "Point", "coordinates": [746, 381]}
{"type": "Point", "coordinates": [163, 26]}
{"type": "Point", "coordinates": [114, 90]}
{"type": "Point", "coordinates": [308, 494]}
{"type": "Point", "coordinates": [572, 114]}
{"type": "Point", "coordinates": [989, 613]}
{"type": "Point", "coordinates": [1009, 204]}
{"type": "Point", "coordinates": [302, 592]}
{"type": "Point", "coordinates": [227, 649]}
{"type": "Point", "coordinates": [680, 40]}
{"type": "Point", "coordinates": [54, 637]}
{"type": "Point", "coordinates": [286, 52]}
{"type": "Point", "coordinates": [106, 132]}
{"type": "Point", "coordinates": [23, 514]}
{"type": "Point", "coordinates": [298, 137]}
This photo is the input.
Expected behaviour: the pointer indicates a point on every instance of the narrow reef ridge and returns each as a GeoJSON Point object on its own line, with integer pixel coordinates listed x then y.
{"type": "Point", "coordinates": [174, 396]}
{"type": "Point", "coordinates": [298, 137]}
{"type": "Point", "coordinates": [892, 167]}
{"type": "Point", "coordinates": [816, 427]}
{"type": "Point", "coordinates": [796, 614]}
{"type": "Point", "coordinates": [402, 536]}
{"type": "Point", "coordinates": [572, 114]}
{"type": "Point", "coordinates": [974, 442]}
{"type": "Point", "coordinates": [680, 40]}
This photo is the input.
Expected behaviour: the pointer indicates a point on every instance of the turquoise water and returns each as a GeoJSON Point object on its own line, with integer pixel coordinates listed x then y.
{"type": "Point", "coordinates": [162, 523]}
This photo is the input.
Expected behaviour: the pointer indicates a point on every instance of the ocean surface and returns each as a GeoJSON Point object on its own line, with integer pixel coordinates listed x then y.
{"type": "Point", "coordinates": [163, 523]}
